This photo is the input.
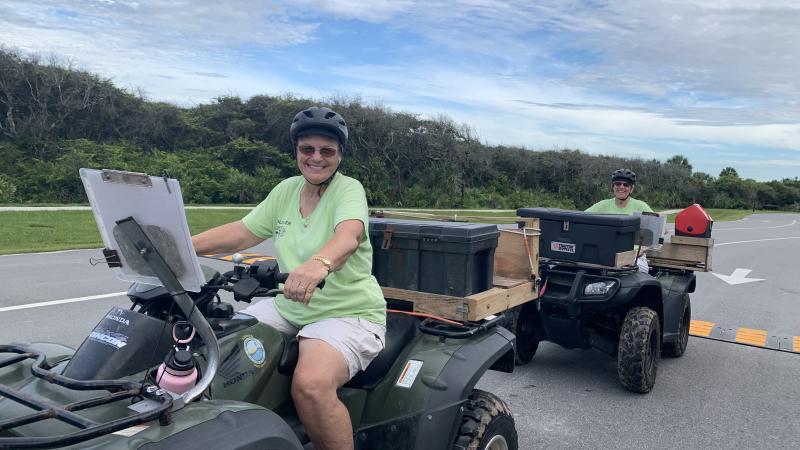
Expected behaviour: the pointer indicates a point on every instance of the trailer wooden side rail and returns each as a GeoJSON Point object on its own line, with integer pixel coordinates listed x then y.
{"type": "Point", "coordinates": [683, 252]}
{"type": "Point", "coordinates": [505, 294]}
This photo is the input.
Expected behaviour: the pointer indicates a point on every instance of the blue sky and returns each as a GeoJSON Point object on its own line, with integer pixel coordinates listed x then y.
{"type": "Point", "coordinates": [717, 81]}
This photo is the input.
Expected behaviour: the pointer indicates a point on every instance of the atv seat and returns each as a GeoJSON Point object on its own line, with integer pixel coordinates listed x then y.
{"type": "Point", "coordinates": [400, 330]}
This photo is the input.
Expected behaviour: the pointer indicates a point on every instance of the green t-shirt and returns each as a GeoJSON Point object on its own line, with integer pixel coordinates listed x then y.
{"type": "Point", "coordinates": [351, 291]}
{"type": "Point", "coordinates": [608, 206]}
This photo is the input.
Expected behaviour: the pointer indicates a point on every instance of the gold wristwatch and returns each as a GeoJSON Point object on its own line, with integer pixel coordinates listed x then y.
{"type": "Point", "coordinates": [325, 261]}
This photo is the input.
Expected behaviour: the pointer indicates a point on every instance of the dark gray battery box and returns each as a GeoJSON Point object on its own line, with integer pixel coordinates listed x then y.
{"type": "Point", "coordinates": [583, 237]}
{"type": "Point", "coordinates": [452, 258]}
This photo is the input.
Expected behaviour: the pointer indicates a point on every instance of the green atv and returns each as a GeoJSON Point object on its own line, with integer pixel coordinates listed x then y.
{"type": "Point", "coordinates": [419, 393]}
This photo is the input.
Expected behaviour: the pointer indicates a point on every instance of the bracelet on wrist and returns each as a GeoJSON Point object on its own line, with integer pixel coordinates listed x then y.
{"type": "Point", "coordinates": [325, 262]}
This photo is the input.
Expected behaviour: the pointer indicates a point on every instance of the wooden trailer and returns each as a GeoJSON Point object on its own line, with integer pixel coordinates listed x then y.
{"type": "Point", "coordinates": [515, 281]}
{"type": "Point", "coordinates": [516, 273]}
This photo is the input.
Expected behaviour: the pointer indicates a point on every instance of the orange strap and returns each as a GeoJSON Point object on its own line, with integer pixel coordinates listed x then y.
{"type": "Point", "coordinates": [528, 250]}
{"type": "Point", "coordinates": [429, 316]}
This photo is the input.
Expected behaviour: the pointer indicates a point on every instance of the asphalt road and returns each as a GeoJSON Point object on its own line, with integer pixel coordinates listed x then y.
{"type": "Point", "coordinates": [717, 395]}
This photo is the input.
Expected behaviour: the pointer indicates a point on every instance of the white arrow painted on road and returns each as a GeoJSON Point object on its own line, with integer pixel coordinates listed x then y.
{"type": "Point", "coordinates": [739, 276]}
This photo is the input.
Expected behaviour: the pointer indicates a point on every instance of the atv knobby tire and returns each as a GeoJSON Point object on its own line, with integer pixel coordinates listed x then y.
{"type": "Point", "coordinates": [486, 424]}
{"type": "Point", "coordinates": [524, 329]}
{"type": "Point", "coordinates": [677, 348]}
{"type": "Point", "coordinates": [639, 350]}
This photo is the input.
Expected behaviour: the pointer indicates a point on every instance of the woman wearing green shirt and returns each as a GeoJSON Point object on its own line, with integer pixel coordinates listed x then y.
{"type": "Point", "coordinates": [318, 223]}
{"type": "Point", "coordinates": [623, 182]}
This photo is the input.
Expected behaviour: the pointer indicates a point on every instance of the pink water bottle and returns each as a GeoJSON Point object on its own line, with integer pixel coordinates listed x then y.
{"type": "Point", "coordinates": [178, 373]}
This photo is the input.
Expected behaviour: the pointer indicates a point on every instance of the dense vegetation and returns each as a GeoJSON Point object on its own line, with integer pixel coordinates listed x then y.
{"type": "Point", "coordinates": [54, 120]}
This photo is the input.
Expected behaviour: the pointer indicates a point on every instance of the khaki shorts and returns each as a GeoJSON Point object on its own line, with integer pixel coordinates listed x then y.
{"type": "Point", "coordinates": [358, 340]}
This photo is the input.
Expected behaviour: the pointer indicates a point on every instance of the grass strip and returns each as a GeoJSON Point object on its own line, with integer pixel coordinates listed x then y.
{"type": "Point", "coordinates": [43, 231]}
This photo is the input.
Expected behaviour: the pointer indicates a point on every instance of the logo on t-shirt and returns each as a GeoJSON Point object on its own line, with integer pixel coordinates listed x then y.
{"type": "Point", "coordinates": [280, 230]}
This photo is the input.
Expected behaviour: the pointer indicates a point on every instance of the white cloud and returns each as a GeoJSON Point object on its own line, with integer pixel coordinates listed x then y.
{"type": "Point", "coordinates": [180, 30]}
{"type": "Point", "coordinates": [175, 51]}
{"type": "Point", "coordinates": [375, 11]}
{"type": "Point", "coordinates": [496, 98]}
{"type": "Point", "coordinates": [681, 57]}
{"type": "Point", "coordinates": [774, 162]}
{"type": "Point", "coordinates": [629, 77]}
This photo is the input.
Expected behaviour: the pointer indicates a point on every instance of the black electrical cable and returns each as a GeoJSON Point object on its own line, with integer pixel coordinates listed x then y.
{"type": "Point", "coordinates": [156, 347]}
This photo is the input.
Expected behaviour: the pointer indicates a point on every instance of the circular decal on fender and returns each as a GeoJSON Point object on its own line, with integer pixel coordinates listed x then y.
{"type": "Point", "coordinates": [254, 350]}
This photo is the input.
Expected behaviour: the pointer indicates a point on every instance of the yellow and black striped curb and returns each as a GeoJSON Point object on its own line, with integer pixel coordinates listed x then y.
{"type": "Point", "coordinates": [745, 336]}
{"type": "Point", "coordinates": [250, 258]}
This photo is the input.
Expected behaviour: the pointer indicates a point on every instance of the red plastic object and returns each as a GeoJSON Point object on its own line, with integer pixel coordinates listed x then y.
{"type": "Point", "coordinates": [693, 221]}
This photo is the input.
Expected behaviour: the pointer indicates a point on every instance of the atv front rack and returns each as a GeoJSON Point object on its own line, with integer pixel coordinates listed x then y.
{"type": "Point", "coordinates": [88, 429]}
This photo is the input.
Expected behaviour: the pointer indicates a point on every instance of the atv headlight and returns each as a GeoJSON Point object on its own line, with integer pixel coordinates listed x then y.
{"type": "Point", "coordinates": [599, 288]}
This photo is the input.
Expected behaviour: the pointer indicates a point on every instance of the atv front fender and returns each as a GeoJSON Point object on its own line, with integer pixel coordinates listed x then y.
{"type": "Point", "coordinates": [416, 416]}
{"type": "Point", "coordinates": [234, 430]}
{"type": "Point", "coordinates": [217, 424]}
{"type": "Point", "coordinates": [675, 289]}
{"type": "Point", "coordinates": [636, 283]}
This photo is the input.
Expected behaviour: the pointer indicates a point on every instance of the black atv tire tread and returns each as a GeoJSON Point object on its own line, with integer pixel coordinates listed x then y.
{"type": "Point", "coordinates": [485, 412]}
{"type": "Point", "coordinates": [633, 347]}
{"type": "Point", "coordinates": [677, 349]}
{"type": "Point", "coordinates": [526, 343]}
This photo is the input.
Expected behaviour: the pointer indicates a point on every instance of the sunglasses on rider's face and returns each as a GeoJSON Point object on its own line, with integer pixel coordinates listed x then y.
{"type": "Point", "coordinates": [621, 183]}
{"type": "Point", "coordinates": [325, 152]}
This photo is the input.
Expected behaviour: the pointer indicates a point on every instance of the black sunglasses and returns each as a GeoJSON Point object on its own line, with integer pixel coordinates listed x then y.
{"type": "Point", "coordinates": [621, 183]}
{"type": "Point", "coordinates": [326, 152]}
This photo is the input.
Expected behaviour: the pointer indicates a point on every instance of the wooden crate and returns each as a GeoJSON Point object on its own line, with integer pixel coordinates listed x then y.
{"type": "Point", "coordinates": [621, 260]}
{"type": "Point", "coordinates": [683, 252]}
{"type": "Point", "coordinates": [511, 259]}
{"type": "Point", "coordinates": [505, 294]}
{"type": "Point", "coordinates": [514, 281]}
{"type": "Point", "coordinates": [688, 240]}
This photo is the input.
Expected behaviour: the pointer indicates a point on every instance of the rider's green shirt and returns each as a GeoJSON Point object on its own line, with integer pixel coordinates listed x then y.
{"type": "Point", "coordinates": [608, 206]}
{"type": "Point", "coordinates": [351, 291]}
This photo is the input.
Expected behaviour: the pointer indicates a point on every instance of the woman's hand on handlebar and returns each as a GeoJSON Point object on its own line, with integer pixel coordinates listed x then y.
{"type": "Point", "coordinates": [303, 280]}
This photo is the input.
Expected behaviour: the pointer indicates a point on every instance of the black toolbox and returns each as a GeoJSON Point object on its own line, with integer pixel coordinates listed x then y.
{"type": "Point", "coordinates": [583, 237]}
{"type": "Point", "coordinates": [453, 258]}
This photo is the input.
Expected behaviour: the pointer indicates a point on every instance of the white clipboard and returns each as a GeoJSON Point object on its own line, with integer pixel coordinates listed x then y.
{"type": "Point", "coordinates": [156, 204]}
{"type": "Point", "coordinates": [651, 228]}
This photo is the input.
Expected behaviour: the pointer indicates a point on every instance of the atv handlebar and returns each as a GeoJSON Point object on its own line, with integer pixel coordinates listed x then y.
{"type": "Point", "coordinates": [257, 280]}
{"type": "Point", "coordinates": [281, 278]}
{"type": "Point", "coordinates": [271, 279]}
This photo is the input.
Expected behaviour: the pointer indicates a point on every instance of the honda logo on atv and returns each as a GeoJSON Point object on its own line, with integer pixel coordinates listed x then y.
{"type": "Point", "coordinates": [563, 247]}
{"type": "Point", "coordinates": [119, 319]}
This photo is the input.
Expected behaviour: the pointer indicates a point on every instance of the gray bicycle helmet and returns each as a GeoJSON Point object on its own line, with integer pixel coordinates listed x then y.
{"type": "Point", "coordinates": [319, 120]}
{"type": "Point", "coordinates": [624, 175]}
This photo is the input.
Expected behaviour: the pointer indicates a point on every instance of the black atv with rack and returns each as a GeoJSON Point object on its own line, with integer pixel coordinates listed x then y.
{"type": "Point", "coordinates": [593, 295]}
